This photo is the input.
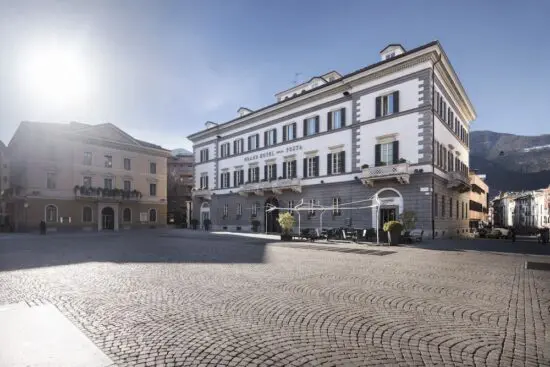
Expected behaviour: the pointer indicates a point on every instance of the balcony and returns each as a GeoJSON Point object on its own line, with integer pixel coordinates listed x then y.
{"type": "Point", "coordinates": [104, 194]}
{"type": "Point", "coordinates": [275, 186]}
{"type": "Point", "coordinates": [399, 172]}
{"type": "Point", "coordinates": [458, 181]}
{"type": "Point", "coordinates": [202, 193]}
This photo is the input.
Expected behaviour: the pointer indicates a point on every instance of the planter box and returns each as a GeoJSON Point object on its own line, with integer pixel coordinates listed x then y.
{"type": "Point", "coordinates": [394, 237]}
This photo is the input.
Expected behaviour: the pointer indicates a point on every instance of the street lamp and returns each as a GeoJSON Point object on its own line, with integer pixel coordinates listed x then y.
{"type": "Point", "coordinates": [26, 206]}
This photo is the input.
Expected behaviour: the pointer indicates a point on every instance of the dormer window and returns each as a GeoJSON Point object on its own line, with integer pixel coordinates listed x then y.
{"type": "Point", "coordinates": [390, 55]}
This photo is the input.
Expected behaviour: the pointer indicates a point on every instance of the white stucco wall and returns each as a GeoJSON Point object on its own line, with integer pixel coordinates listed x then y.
{"type": "Point", "coordinates": [408, 99]}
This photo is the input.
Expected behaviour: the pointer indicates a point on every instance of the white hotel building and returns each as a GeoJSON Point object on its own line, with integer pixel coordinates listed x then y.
{"type": "Point", "coordinates": [398, 128]}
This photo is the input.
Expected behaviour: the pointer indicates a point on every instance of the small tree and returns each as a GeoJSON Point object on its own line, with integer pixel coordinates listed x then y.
{"type": "Point", "coordinates": [409, 220]}
{"type": "Point", "coordinates": [286, 221]}
{"type": "Point", "coordinates": [392, 225]}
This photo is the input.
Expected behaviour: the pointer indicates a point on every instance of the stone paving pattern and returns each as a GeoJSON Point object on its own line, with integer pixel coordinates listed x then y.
{"type": "Point", "coordinates": [192, 299]}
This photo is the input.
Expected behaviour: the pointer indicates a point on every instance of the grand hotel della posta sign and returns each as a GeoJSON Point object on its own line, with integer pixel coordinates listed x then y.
{"type": "Point", "coordinates": [273, 153]}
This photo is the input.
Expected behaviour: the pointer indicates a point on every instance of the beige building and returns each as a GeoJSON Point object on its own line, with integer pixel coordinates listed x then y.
{"type": "Point", "coordinates": [85, 177]}
{"type": "Point", "coordinates": [478, 208]}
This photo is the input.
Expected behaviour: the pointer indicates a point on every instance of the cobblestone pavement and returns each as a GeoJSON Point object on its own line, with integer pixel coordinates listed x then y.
{"type": "Point", "coordinates": [185, 298]}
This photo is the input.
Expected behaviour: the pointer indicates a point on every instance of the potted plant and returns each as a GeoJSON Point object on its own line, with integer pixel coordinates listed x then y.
{"type": "Point", "coordinates": [393, 228]}
{"type": "Point", "coordinates": [255, 225]}
{"type": "Point", "coordinates": [194, 223]}
{"type": "Point", "coordinates": [286, 221]}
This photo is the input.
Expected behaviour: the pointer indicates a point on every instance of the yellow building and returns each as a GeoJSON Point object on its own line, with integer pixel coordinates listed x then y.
{"type": "Point", "coordinates": [84, 177]}
{"type": "Point", "coordinates": [478, 209]}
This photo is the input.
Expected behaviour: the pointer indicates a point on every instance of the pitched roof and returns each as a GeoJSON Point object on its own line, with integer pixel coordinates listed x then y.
{"type": "Point", "coordinates": [392, 45]}
{"type": "Point", "coordinates": [372, 66]}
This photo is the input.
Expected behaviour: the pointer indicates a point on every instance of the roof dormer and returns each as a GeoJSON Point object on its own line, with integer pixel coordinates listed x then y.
{"type": "Point", "coordinates": [243, 111]}
{"type": "Point", "coordinates": [391, 50]}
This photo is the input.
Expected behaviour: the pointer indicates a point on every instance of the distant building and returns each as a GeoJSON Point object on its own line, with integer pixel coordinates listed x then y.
{"type": "Point", "coordinates": [4, 185]}
{"type": "Point", "coordinates": [179, 186]}
{"type": "Point", "coordinates": [478, 211]}
{"type": "Point", "coordinates": [524, 210]}
{"type": "Point", "coordinates": [84, 177]}
{"type": "Point", "coordinates": [542, 208]}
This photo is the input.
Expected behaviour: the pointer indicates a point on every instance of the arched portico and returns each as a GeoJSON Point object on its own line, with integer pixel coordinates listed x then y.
{"type": "Point", "coordinates": [391, 206]}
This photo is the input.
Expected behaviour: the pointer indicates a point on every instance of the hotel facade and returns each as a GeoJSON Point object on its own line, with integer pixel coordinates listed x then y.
{"type": "Point", "coordinates": [397, 129]}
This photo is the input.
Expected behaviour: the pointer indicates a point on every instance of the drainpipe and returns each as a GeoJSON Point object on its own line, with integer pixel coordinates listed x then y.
{"type": "Point", "coordinates": [433, 146]}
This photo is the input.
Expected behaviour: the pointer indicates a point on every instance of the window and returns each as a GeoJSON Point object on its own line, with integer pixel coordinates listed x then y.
{"type": "Point", "coordinates": [239, 209]}
{"type": "Point", "coordinates": [153, 215]}
{"type": "Point", "coordinates": [127, 185]}
{"type": "Point", "coordinates": [387, 105]}
{"type": "Point", "coordinates": [442, 206]}
{"type": "Point", "coordinates": [451, 208]}
{"type": "Point", "coordinates": [51, 214]}
{"type": "Point", "coordinates": [311, 126]}
{"type": "Point", "coordinates": [312, 205]}
{"type": "Point", "coordinates": [225, 150]}
{"type": "Point", "coordinates": [153, 168]}
{"type": "Point", "coordinates": [390, 55]}
{"type": "Point", "coordinates": [86, 214]}
{"type": "Point", "coordinates": [386, 154]}
{"type": "Point", "coordinates": [450, 159]}
{"type": "Point", "coordinates": [50, 180]}
{"type": "Point", "coordinates": [87, 160]}
{"type": "Point", "coordinates": [291, 205]}
{"type": "Point", "coordinates": [336, 163]}
{"type": "Point", "coordinates": [289, 169]}
{"type": "Point", "coordinates": [87, 181]}
{"type": "Point", "coordinates": [289, 132]}
{"type": "Point", "coordinates": [238, 177]}
{"type": "Point", "coordinates": [336, 206]}
{"type": "Point", "coordinates": [311, 167]}
{"type": "Point", "coordinates": [238, 146]}
{"type": "Point", "coordinates": [255, 209]}
{"type": "Point", "coordinates": [458, 211]}
{"type": "Point", "coordinates": [224, 180]}
{"type": "Point", "coordinates": [466, 210]}
{"type": "Point", "coordinates": [436, 205]}
{"type": "Point", "coordinates": [204, 181]}
{"type": "Point", "coordinates": [204, 155]}
{"type": "Point", "coordinates": [270, 137]}
{"type": "Point", "coordinates": [127, 215]}
{"type": "Point", "coordinates": [109, 161]}
{"type": "Point", "coordinates": [253, 142]}
{"type": "Point", "coordinates": [271, 171]}
{"type": "Point", "coordinates": [152, 189]}
{"type": "Point", "coordinates": [127, 164]}
{"type": "Point", "coordinates": [108, 183]}
{"type": "Point", "coordinates": [225, 210]}
{"type": "Point", "coordinates": [336, 119]}
{"type": "Point", "coordinates": [254, 174]}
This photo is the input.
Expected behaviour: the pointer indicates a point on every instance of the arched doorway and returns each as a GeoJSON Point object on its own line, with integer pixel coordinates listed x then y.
{"type": "Point", "coordinates": [108, 218]}
{"type": "Point", "coordinates": [271, 223]}
{"type": "Point", "coordinates": [391, 206]}
{"type": "Point", "coordinates": [205, 213]}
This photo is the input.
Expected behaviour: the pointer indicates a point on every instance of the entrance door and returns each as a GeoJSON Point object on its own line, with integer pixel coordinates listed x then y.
{"type": "Point", "coordinates": [108, 218]}
{"type": "Point", "coordinates": [271, 223]}
{"type": "Point", "coordinates": [386, 215]}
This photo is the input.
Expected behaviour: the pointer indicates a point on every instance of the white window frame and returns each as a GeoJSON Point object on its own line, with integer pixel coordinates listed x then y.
{"type": "Point", "coordinates": [289, 169]}
{"type": "Point", "coordinates": [386, 153]}
{"type": "Point", "coordinates": [270, 168]}
{"type": "Point", "coordinates": [310, 166]}
{"type": "Point", "coordinates": [335, 164]}
{"type": "Point", "coordinates": [155, 193]}
{"type": "Point", "coordinates": [253, 177]}
{"type": "Point", "coordinates": [312, 204]}
{"type": "Point", "coordinates": [108, 161]}
{"type": "Point", "coordinates": [385, 104]}
{"type": "Point", "coordinates": [336, 202]}
{"type": "Point", "coordinates": [254, 142]}
{"type": "Point", "coordinates": [289, 129]}
{"type": "Point", "coordinates": [239, 146]}
{"type": "Point", "coordinates": [129, 168]}
{"type": "Point", "coordinates": [336, 122]}
{"type": "Point", "coordinates": [105, 186]}
{"type": "Point", "coordinates": [51, 180]}
{"type": "Point", "coordinates": [85, 160]}
{"type": "Point", "coordinates": [239, 209]}
{"type": "Point", "coordinates": [291, 206]}
{"type": "Point", "coordinates": [225, 210]}
{"type": "Point", "coordinates": [311, 122]}
{"type": "Point", "coordinates": [255, 209]}
{"type": "Point", "coordinates": [225, 150]}
{"type": "Point", "coordinates": [124, 185]}
{"type": "Point", "coordinates": [202, 180]}
{"type": "Point", "coordinates": [204, 155]}
{"type": "Point", "coordinates": [225, 180]}
{"type": "Point", "coordinates": [271, 137]}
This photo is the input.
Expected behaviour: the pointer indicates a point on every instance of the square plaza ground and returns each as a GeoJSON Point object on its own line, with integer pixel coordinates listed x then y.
{"type": "Point", "coordinates": [178, 298]}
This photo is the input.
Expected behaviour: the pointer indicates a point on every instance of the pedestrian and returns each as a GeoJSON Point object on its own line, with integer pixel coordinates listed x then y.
{"type": "Point", "coordinates": [42, 227]}
{"type": "Point", "coordinates": [513, 234]}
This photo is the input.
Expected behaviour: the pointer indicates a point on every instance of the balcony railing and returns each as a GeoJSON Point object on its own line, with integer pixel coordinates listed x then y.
{"type": "Point", "coordinates": [106, 194]}
{"type": "Point", "coordinates": [275, 186]}
{"type": "Point", "coordinates": [458, 181]}
{"type": "Point", "coordinates": [399, 171]}
{"type": "Point", "coordinates": [202, 193]}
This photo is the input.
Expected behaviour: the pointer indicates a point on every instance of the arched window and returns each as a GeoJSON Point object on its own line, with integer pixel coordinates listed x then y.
{"type": "Point", "coordinates": [127, 215]}
{"type": "Point", "coordinates": [86, 214]}
{"type": "Point", "coordinates": [152, 215]}
{"type": "Point", "coordinates": [51, 214]}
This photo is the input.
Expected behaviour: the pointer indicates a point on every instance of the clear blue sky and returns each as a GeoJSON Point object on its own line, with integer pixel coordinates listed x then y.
{"type": "Point", "coordinates": [160, 69]}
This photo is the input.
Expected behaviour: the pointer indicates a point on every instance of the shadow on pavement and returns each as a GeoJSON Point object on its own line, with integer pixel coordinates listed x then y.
{"type": "Point", "coordinates": [138, 247]}
{"type": "Point", "coordinates": [521, 246]}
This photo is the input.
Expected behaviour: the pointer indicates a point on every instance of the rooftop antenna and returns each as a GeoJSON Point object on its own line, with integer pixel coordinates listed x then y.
{"type": "Point", "coordinates": [296, 75]}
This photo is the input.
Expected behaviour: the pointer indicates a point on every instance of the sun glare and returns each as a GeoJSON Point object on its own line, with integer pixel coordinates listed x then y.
{"type": "Point", "coordinates": [54, 74]}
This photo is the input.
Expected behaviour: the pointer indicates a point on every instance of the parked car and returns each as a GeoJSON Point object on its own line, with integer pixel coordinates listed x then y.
{"type": "Point", "coordinates": [498, 233]}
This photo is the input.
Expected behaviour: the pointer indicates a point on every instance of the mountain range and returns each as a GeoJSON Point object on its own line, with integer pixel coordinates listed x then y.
{"type": "Point", "coordinates": [511, 162]}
